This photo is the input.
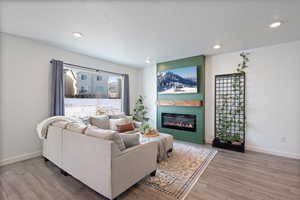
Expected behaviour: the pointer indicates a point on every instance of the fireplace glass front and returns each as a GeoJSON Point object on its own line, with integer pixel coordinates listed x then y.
{"type": "Point", "coordinates": [184, 122]}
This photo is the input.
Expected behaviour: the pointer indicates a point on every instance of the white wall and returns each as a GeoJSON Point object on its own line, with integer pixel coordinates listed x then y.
{"type": "Point", "coordinates": [25, 91]}
{"type": "Point", "coordinates": [273, 97]}
{"type": "Point", "coordinates": [149, 92]}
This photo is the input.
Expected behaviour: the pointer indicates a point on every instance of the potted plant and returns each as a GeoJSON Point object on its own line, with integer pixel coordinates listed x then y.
{"type": "Point", "coordinates": [144, 128]}
{"type": "Point", "coordinates": [140, 111]}
{"type": "Point", "coordinates": [230, 128]}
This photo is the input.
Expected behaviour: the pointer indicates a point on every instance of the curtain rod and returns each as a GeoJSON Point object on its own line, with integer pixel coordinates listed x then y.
{"type": "Point", "coordinates": [97, 70]}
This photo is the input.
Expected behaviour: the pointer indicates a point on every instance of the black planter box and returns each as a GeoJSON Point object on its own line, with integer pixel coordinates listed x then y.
{"type": "Point", "coordinates": [225, 145]}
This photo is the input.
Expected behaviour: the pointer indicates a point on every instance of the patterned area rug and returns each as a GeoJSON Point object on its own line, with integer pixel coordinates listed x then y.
{"type": "Point", "coordinates": [177, 175]}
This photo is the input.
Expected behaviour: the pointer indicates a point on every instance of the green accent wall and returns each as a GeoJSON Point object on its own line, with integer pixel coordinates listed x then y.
{"type": "Point", "coordinates": [194, 137]}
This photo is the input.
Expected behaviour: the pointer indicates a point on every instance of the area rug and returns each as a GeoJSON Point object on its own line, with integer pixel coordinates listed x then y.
{"type": "Point", "coordinates": [177, 175]}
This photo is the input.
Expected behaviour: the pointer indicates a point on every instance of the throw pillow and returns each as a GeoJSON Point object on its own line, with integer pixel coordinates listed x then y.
{"type": "Point", "coordinates": [114, 122]}
{"type": "Point", "coordinates": [101, 121]}
{"type": "Point", "coordinates": [130, 140]}
{"type": "Point", "coordinates": [118, 141]}
{"type": "Point", "coordinates": [133, 131]}
{"type": "Point", "coordinates": [106, 135]}
{"type": "Point", "coordinates": [99, 133]}
{"type": "Point", "coordinates": [121, 128]}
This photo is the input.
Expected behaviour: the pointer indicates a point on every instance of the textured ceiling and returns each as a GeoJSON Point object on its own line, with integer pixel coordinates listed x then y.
{"type": "Point", "coordinates": [128, 32]}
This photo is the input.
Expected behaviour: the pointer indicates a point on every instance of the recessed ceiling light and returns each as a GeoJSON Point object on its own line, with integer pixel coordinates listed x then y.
{"type": "Point", "coordinates": [147, 60]}
{"type": "Point", "coordinates": [217, 46]}
{"type": "Point", "coordinates": [275, 24]}
{"type": "Point", "coordinates": [77, 34]}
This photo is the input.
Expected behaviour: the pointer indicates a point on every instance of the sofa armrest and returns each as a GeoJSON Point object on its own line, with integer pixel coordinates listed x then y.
{"type": "Point", "coordinates": [132, 165]}
{"type": "Point", "coordinates": [137, 148]}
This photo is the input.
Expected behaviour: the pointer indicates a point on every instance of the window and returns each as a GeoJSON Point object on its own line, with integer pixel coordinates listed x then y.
{"type": "Point", "coordinates": [88, 93]}
{"type": "Point", "coordinates": [99, 78]}
{"type": "Point", "coordinates": [83, 77]}
{"type": "Point", "coordinates": [83, 89]}
{"type": "Point", "coordinates": [99, 89]}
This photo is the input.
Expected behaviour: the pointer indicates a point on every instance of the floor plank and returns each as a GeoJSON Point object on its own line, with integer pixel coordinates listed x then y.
{"type": "Point", "coordinates": [231, 175]}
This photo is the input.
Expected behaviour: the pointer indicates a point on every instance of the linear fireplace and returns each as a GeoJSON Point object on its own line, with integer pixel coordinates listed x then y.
{"type": "Point", "coordinates": [179, 121]}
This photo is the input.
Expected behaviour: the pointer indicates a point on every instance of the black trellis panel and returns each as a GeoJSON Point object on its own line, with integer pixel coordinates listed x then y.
{"type": "Point", "coordinates": [230, 111]}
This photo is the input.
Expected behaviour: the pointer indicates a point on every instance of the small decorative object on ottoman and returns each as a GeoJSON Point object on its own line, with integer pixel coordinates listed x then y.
{"type": "Point", "coordinates": [144, 128]}
{"type": "Point", "coordinates": [151, 133]}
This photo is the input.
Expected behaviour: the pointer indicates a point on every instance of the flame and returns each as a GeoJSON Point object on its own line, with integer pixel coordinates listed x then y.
{"type": "Point", "coordinates": [179, 124]}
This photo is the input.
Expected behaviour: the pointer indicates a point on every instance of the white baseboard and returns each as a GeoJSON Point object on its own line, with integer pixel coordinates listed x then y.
{"type": "Point", "coordinates": [266, 151]}
{"type": "Point", "coordinates": [20, 158]}
{"type": "Point", "coordinates": [272, 152]}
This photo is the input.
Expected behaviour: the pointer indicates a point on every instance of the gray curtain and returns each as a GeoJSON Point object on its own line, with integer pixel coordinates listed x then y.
{"type": "Point", "coordinates": [126, 95]}
{"type": "Point", "coordinates": [57, 103]}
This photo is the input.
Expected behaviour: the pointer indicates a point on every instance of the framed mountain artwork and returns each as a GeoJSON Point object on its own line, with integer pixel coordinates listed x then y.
{"type": "Point", "coordinates": [178, 81]}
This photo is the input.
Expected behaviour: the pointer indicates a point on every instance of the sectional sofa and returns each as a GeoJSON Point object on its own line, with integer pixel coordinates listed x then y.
{"type": "Point", "coordinates": [99, 163]}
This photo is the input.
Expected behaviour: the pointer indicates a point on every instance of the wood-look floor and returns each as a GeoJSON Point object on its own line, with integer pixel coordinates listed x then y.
{"type": "Point", "coordinates": [230, 176]}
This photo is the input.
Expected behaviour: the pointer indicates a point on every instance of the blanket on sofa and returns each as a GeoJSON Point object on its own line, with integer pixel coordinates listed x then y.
{"type": "Point", "coordinates": [42, 128]}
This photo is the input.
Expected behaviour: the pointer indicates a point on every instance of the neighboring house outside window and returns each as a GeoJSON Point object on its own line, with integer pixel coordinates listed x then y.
{"type": "Point", "coordinates": [83, 89]}
{"type": "Point", "coordinates": [99, 88]}
{"type": "Point", "coordinates": [99, 78]}
{"type": "Point", "coordinates": [87, 92]}
{"type": "Point", "coordinates": [83, 77]}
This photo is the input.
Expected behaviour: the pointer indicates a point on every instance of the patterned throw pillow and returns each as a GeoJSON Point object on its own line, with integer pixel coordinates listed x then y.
{"type": "Point", "coordinates": [121, 128]}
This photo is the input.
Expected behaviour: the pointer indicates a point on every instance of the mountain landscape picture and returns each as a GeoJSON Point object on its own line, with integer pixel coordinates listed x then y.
{"type": "Point", "coordinates": [177, 81]}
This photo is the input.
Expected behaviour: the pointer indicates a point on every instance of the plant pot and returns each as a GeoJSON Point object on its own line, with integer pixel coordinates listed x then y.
{"type": "Point", "coordinates": [236, 143]}
{"type": "Point", "coordinates": [229, 145]}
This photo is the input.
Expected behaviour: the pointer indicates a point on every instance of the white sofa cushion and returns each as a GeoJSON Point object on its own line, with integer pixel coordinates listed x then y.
{"type": "Point", "coordinates": [100, 133]}
{"type": "Point", "coordinates": [106, 135]}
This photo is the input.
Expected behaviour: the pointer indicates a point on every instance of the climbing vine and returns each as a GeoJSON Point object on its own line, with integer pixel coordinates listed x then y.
{"type": "Point", "coordinates": [230, 104]}
{"type": "Point", "coordinates": [244, 64]}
